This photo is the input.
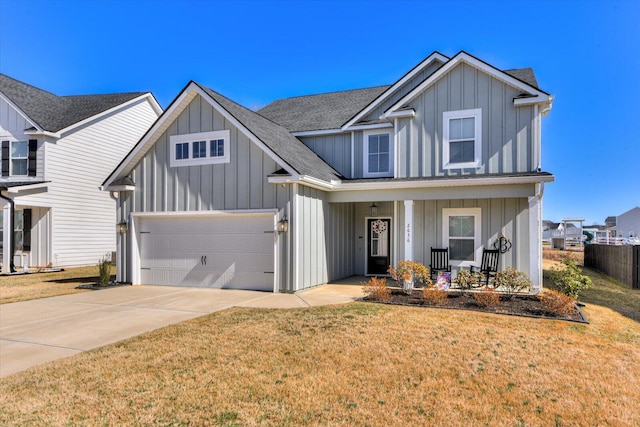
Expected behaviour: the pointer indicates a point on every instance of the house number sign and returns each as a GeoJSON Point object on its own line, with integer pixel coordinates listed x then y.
{"type": "Point", "coordinates": [408, 233]}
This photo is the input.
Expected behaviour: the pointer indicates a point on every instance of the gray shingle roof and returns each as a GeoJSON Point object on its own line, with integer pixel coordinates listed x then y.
{"type": "Point", "coordinates": [524, 74]}
{"type": "Point", "coordinates": [332, 110]}
{"type": "Point", "coordinates": [53, 113]}
{"type": "Point", "coordinates": [320, 112]}
{"type": "Point", "coordinates": [289, 148]}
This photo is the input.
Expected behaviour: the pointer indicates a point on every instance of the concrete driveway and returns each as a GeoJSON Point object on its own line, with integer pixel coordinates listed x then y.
{"type": "Point", "coordinates": [43, 330]}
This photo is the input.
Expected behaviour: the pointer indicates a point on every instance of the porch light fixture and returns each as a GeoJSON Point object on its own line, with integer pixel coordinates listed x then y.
{"type": "Point", "coordinates": [373, 209]}
{"type": "Point", "coordinates": [283, 225]}
{"type": "Point", "coordinates": [122, 227]}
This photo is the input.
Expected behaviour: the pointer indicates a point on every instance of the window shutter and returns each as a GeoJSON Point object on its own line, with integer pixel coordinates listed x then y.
{"type": "Point", "coordinates": [26, 230]}
{"type": "Point", "coordinates": [5, 158]}
{"type": "Point", "coordinates": [33, 151]}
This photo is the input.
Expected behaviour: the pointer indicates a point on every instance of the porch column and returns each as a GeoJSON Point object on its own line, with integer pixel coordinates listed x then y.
{"type": "Point", "coordinates": [535, 242]}
{"type": "Point", "coordinates": [408, 230]}
{"type": "Point", "coordinates": [6, 238]}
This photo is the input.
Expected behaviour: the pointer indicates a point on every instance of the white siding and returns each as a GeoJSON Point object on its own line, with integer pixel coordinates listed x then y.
{"type": "Point", "coordinates": [82, 217]}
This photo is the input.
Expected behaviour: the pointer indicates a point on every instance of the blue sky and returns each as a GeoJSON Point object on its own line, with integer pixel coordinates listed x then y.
{"type": "Point", "coordinates": [587, 54]}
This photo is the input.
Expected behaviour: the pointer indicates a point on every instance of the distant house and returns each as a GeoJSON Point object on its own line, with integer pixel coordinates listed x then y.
{"type": "Point", "coordinates": [316, 188]}
{"type": "Point", "coordinates": [610, 222]}
{"type": "Point", "coordinates": [628, 224]}
{"type": "Point", "coordinates": [56, 150]}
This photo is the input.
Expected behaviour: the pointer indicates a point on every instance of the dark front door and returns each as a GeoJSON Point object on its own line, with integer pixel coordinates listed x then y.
{"type": "Point", "coordinates": [378, 245]}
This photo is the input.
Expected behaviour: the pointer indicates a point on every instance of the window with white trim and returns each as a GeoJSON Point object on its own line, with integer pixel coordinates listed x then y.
{"type": "Point", "coordinates": [201, 148]}
{"type": "Point", "coordinates": [19, 158]}
{"type": "Point", "coordinates": [378, 154]}
{"type": "Point", "coordinates": [461, 233]}
{"type": "Point", "coordinates": [462, 139]}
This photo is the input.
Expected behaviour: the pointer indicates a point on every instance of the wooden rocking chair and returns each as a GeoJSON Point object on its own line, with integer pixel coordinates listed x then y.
{"type": "Point", "coordinates": [489, 265]}
{"type": "Point", "coordinates": [439, 261]}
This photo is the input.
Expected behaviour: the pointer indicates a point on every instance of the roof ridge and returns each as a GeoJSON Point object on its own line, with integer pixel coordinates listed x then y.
{"type": "Point", "coordinates": [331, 92]}
{"type": "Point", "coordinates": [30, 85]}
{"type": "Point", "coordinates": [104, 94]}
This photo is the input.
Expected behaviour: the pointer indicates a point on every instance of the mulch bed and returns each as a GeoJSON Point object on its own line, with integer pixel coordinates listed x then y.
{"type": "Point", "coordinates": [519, 305]}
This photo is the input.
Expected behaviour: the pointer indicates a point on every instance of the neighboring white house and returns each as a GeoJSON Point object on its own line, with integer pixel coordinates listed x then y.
{"type": "Point", "coordinates": [628, 224]}
{"type": "Point", "coordinates": [56, 151]}
{"type": "Point", "coordinates": [316, 188]}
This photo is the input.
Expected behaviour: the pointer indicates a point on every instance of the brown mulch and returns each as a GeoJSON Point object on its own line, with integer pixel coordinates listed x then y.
{"type": "Point", "coordinates": [519, 305]}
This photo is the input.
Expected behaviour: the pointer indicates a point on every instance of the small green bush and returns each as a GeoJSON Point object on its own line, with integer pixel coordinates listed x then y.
{"type": "Point", "coordinates": [104, 270]}
{"type": "Point", "coordinates": [377, 289]}
{"type": "Point", "coordinates": [511, 281]}
{"type": "Point", "coordinates": [569, 278]}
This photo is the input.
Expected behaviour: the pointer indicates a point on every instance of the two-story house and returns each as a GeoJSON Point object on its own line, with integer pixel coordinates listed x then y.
{"type": "Point", "coordinates": [316, 188]}
{"type": "Point", "coordinates": [56, 151]}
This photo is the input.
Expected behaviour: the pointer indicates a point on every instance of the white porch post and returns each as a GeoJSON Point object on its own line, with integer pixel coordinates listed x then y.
{"type": "Point", "coordinates": [408, 230]}
{"type": "Point", "coordinates": [535, 243]}
{"type": "Point", "coordinates": [6, 238]}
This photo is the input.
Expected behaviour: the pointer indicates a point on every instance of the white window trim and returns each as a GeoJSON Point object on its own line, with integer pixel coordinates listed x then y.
{"type": "Point", "coordinates": [365, 151]}
{"type": "Point", "coordinates": [477, 214]}
{"type": "Point", "coordinates": [200, 136]}
{"type": "Point", "coordinates": [11, 158]}
{"type": "Point", "coordinates": [462, 114]}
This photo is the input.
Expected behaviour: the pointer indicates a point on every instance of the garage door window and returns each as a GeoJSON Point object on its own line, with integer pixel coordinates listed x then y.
{"type": "Point", "coordinates": [206, 148]}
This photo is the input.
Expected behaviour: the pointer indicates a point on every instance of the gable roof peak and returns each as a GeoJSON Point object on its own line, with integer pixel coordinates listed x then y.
{"type": "Point", "coordinates": [54, 113]}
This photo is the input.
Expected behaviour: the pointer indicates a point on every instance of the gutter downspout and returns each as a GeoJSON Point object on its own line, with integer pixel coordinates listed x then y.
{"type": "Point", "coordinates": [12, 249]}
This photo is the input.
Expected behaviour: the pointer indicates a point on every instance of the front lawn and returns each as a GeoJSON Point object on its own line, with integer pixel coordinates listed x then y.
{"type": "Point", "coordinates": [355, 364]}
{"type": "Point", "coordinates": [25, 287]}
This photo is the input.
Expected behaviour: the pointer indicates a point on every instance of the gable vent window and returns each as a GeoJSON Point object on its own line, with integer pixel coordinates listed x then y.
{"type": "Point", "coordinates": [206, 148]}
{"type": "Point", "coordinates": [378, 154]}
{"type": "Point", "coordinates": [462, 142]}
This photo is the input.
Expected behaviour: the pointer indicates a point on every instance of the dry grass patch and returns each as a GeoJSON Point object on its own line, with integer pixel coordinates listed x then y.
{"type": "Point", "coordinates": [42, 285]}
{"type": "Point", "coordinates": [357, 364]}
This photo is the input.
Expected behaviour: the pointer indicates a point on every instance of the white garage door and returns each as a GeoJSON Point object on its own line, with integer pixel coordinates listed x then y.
{"type": "Point", "coordinates": [222, 251]}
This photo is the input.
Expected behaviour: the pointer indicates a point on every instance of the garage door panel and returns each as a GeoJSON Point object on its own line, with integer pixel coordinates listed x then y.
{"type": "Point", "coordinates": [223, 251]}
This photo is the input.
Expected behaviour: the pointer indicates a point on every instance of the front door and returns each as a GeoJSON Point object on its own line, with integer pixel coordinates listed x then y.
{"type": "Point", "coordinates": [378, 246]}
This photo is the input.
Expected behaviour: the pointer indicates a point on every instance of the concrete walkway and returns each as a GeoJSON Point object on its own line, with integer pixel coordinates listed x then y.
{"type": "Point", "coordinates": [40, 331]}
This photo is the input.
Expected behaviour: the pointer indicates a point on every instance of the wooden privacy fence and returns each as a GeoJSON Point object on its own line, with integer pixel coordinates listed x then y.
{"type": "Point", "coordinates": [618, 262]}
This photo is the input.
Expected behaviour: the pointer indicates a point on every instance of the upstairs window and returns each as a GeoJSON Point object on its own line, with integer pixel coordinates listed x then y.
{"type": "Point", "coordinates": [378, 154]}
{"type": "Point", "coordinates": [462, 142]}
{"type": "Point", "coordinates": [19, 158]}
{"type": "Point", "coordinates": [201, 148]}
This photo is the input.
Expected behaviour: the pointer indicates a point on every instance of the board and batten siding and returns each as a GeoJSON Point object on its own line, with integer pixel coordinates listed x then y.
{"type": "Point", "coordinates": [333, 149]}
{"type": "Point", "coordinates": [509, 216]}
{"type": "Point", "coordinates": [507, 141]}
{"type": "Point", "coordinates": [325, 238]}
{"type": "Point", "coordinates": [239, 184]}
{"type": "Point", "coordinates": [82, 217]}
{"type": "Point", "coordinates": [12, 126]}
{"type": "Point", "coordinates": [407, 87]}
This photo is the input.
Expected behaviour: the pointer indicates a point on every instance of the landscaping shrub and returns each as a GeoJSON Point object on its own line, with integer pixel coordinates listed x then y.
{"type": "Point", "coordinates": [466, 280]}
{"type": "Point", "coordinates": [407, 270]}
{"type": "Point", "coordinates": [104, 270]}
{"type": "Point", "coordinates": [377, 289]}
{"type": "Point", "coordinates": [557, 303]}
{"type": "Point", "coordinates": [434, 296]}
{"type": "Point", "coordinates": [512, 281]}
{"type": "Point", "coordinates": [487, 298]}
{"type": "Point", "coordinates": [569, 278]}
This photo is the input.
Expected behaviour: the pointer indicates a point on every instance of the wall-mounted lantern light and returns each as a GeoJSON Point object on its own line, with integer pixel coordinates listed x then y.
{"type": "Point", "coordinates": [283, 225]}
{"type": "Point", "coordinates": [122, 227]}
{"type": "Point", "coordinates": [373, 209]}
